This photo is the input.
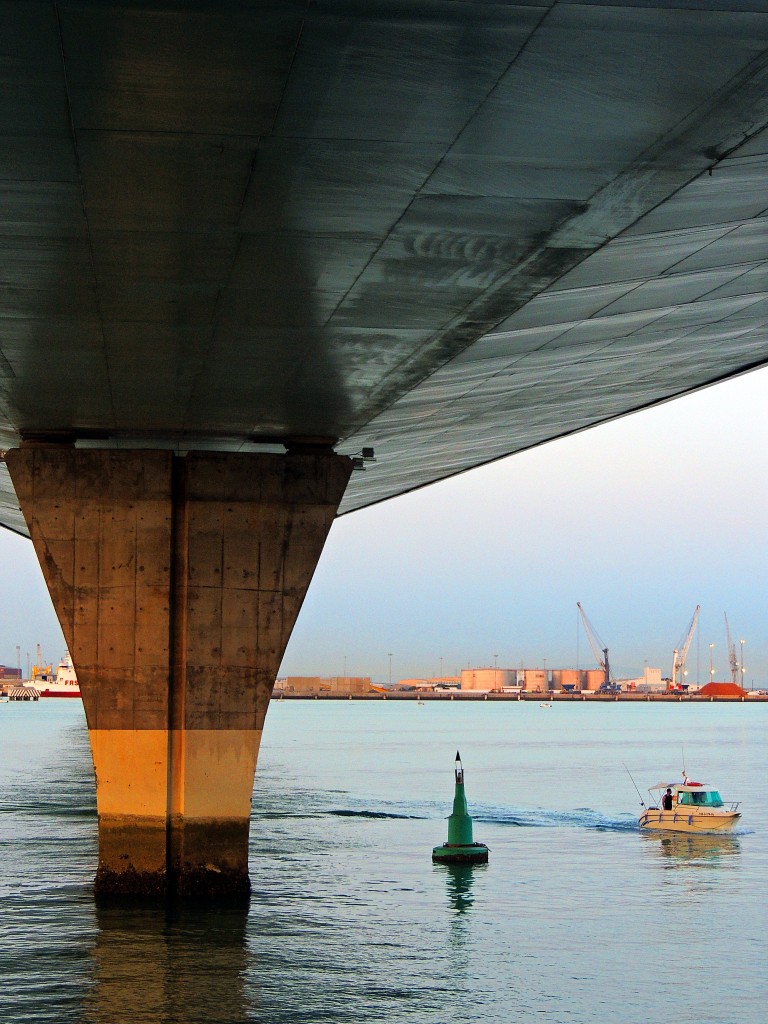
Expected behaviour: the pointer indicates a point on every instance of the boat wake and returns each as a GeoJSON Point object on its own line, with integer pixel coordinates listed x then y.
{"type": "Point", "coordinates": [581, 817]}
{"type": "Point", "coordinates": [343, 813]}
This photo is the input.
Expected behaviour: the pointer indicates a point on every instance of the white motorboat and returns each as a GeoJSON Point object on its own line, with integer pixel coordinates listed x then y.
{"type": "Point", "coordinates": [688, 807]}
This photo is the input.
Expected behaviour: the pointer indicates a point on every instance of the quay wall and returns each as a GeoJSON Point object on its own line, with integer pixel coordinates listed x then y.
{"type": "Point", "coordinates": [591, 697]}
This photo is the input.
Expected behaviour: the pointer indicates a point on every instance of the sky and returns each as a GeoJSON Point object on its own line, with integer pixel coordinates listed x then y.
{"type": "Point", "coordinates": [640, 520]}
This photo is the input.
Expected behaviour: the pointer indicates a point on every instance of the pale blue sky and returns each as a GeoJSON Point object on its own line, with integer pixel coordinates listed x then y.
{"type": "Point", "coordinates": [640, 520]}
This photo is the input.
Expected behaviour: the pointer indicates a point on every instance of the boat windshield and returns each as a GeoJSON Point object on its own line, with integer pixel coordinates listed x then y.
{"type": "Point", "coordinates": [710, 798]}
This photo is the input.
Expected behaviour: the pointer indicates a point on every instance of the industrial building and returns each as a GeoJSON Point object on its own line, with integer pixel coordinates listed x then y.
{"type": "Point", "coordinates": [649, 682]}
{"type": "Point", "coordinates": [433, 683]}
{"type": "Point", "coordinates": [309, 686]}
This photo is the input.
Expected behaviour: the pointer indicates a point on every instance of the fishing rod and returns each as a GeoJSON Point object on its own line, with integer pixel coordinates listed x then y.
{"type": "Point", "coordinates": [629, 773]}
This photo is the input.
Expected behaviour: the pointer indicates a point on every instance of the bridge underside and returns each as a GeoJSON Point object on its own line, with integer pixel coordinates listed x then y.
{"type": "Point", "coordinates": [444, 229]}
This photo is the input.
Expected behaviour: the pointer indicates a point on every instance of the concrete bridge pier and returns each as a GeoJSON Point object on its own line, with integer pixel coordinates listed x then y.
{"type": "Point", "coordinates": [177, 582]}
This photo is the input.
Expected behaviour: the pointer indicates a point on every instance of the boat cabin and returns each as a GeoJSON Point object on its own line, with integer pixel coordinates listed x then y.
{"type": "Point", "coordinates": [700, 796]}
{"type": "Point", "coordinates": [691, 794]}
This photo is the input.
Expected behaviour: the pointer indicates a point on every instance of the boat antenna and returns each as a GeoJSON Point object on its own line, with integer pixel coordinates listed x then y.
{"type": "Point", "coordinates": [629, 773]}
{"type": "Point", "coordinates": [685, 773]}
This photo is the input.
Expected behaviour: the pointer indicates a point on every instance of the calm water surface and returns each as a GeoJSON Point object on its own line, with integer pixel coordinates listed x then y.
{"type": "Point", "coordinates": [577, 917]}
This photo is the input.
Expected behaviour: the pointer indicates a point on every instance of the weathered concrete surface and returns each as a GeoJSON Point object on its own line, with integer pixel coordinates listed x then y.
{"type": "Point", "coordinates": [177, 582]}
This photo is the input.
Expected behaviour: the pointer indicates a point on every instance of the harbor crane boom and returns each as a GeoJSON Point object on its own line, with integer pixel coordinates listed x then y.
{"type": "Point", "coordinates": [732, 659]}
{"type": "Point", "coordinates": [681, 651]}
{"type": "Point", "coordinates": [600, 652]}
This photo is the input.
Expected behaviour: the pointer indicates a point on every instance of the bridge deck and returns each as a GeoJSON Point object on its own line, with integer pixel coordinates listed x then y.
{"type": "Point", "coordinates": [450, 231]}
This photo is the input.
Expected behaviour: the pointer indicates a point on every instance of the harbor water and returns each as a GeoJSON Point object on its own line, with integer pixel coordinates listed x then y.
{"type": "Point", "coordinates": [577, 918]}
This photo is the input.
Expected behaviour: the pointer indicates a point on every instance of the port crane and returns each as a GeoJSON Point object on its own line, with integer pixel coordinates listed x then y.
{"type": "Point", "coordinates": [600, 652]}
{"type": "Point", "coordinates": [732, 659]}
{"type": "Point", "coordinates": [681, 652]}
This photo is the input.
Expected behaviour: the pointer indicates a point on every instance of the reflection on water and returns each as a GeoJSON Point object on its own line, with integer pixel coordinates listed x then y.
{"type": "Point", "coordinates": [459, 879]}
{"type": "Point", "coordinates": [168, 964]}
{"type": "Point", "coordinates": [683, 849]}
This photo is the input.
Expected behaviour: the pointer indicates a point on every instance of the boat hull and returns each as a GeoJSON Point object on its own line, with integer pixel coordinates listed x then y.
{"type": "Point", "coordinates": [677, 821]}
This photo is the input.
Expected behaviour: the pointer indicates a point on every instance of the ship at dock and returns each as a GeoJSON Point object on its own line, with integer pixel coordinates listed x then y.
{"type": "Point", "coordinates": [59, 683]}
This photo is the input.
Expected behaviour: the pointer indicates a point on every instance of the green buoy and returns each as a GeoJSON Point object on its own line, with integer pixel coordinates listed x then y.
{"type": "Point", "coordinates": [460, 848]}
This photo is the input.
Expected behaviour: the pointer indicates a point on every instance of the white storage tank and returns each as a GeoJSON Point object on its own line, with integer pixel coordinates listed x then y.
{"type": "Point", "coordinates": [570, 677]}
{"type": "Point", "coordinates": [535, 679]}
{"type": "Point", "coordinates": [595, 679]}
{"type": "Point", "coordinates": [486, 680]}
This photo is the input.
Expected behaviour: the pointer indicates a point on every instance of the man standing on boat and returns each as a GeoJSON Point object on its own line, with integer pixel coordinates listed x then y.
{"type": "Point", "coordinates": [666, 800]}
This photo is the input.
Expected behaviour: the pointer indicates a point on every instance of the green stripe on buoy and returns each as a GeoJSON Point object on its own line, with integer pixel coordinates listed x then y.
{"type": "Point", "coordinates": [460, 848]}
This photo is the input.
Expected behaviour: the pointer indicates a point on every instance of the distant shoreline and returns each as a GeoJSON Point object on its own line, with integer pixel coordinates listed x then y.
{"type": "Point", "coordinates": [541, 698]}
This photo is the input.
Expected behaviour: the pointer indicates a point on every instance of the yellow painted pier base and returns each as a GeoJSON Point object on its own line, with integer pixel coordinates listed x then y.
{"type": "Point", "coordinates": [177, 582]}
{"type": "Point", "coordinates": [190, 803]}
